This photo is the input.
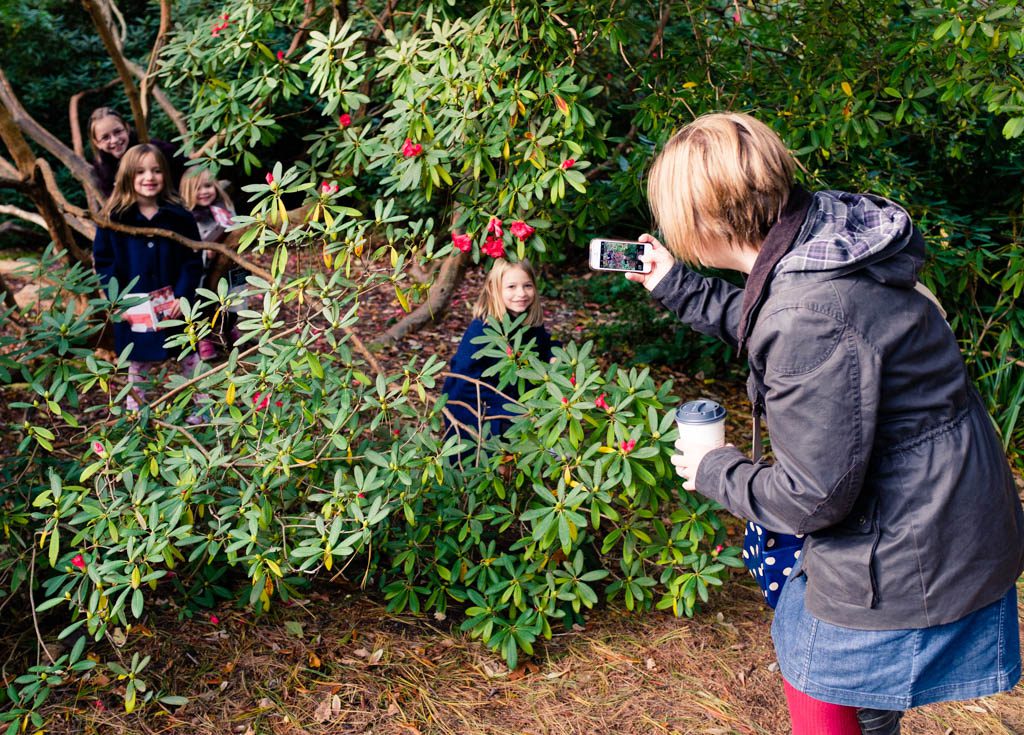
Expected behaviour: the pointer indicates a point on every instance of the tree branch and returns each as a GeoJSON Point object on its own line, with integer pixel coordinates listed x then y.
{"type": "Point", "coordinates": [80, 168]}
{"type": "Point", "coordinates": [227, 252]}
{"type": "Point", "coordinates": [12, 211]}
{"type": "Point", "coordinates": [103, 24]}
{"type": "Point", "coordinates": [77, 144]}
{"type": "Point", "coordinates": [154, 55]}
{"type": "Point", "coordinates": [172, 112]}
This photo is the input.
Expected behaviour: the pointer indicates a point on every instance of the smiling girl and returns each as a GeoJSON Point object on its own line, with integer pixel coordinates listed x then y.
{"type": "Point", "coordinates": [143, 197]}
{"type": "Point", "coordinates": [510, 289]}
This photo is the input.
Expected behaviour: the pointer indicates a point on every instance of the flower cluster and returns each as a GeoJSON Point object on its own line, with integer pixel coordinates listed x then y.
{"type": "Point", "coordinates": [601, 403]}
{"type": "Point", "coordinates": [218, 27]}
{"type": "Point", "coordinates": [410, 149]}
{"type": "Point", "coordinates": [521, 230]}
{"type": "Point", "coordinates": [627, 445]}
{"type": "Point", "coordinates": [462, 242]}
{"type": "Point", "coordinates": [494, 246]}
{"type": "Point", "coordinates": [327, 188]}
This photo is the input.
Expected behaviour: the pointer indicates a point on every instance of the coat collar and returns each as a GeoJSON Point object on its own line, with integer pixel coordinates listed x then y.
{"type": "Point", "coordinates": [776, 243]}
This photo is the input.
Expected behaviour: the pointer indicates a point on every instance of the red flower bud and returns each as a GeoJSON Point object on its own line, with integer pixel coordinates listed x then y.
{"type": "Point", "coordinates": [280, 55]}
{"type": "Point", "coordinates": [521, 230]}
{"type": "Point", "coordinates": [78, 561]}
{"type": "Point", "coordinates": [494, 227]}
{"type": "Point", "coordinates": [568, 163]}
{"type": "Point", "coordinates": [214, 619]}
{"type": "Point", "coordinates": [410, 149]}
{"type": "Point", "coordinates": [601, 403]}
{"type": "Point", "coordinates": [259, 403]}
{"type": "Point", "coordinates": [737, 17]}
{"type": "Point", "coordinates": [508, 351]}
{"type": "Point", "coordinates": [565, 401]}
{"type": "Point", "coordinates": [270, 178]}
{"type": "Point", "coordinates": [278, 404]}
{"type": "Point", "coordinates": [99, 449]}
{"type": "Point", "coordinates": [572, 380]}
{"type": "Point", "coordinates": [344, 119]}
{"type": "Point", "coordinates": [627, 445]}
{"type": "Point", "coordinates": [360, 495]}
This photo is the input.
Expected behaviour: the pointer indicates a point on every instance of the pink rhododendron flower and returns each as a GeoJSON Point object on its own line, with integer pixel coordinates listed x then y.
{"type": "Point", "coordinates": [462, 242]}
{"type": "Point", "coordinates": [627, 445]}
{"type": "Point", "coordinates": [737, 17]}
{"type": "Point", "coordinates": [261, 404]}
{"type": "Point", "coordinates": [78, 561]}
{"type": "Point", "coordinates": [565, 401]}
{"type": "Point", "coordinates": [494, 247]}
{"type": "Point", "coordinates": [601, 403]}
{"type": "Point", "coordinates": [328, 189]}
{"type": "Point", "coordinates": [410, 149]}
{"type": "Point", "coordinates": [508, 351]}
{"type": "Point", "coordinates": [718, 549]}
{"type": "Point", "coordinates": [494, 227]}
{"type": "Point", "coordinates": [270, 178]}
{"type": "Point", "coordinates": [99, 448]}
{"type": "Point", "coordinates": [214, 619]}
{"type": "Point", "coordinates": [568, 163]}
{"type": "Point", "coordinates": [521, 230]}
{"type": "Point", "coordinates": [344, 119]}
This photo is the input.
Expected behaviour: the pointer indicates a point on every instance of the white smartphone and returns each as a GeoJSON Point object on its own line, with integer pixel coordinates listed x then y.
{"type": "Point", "coordinates": [618, 255]}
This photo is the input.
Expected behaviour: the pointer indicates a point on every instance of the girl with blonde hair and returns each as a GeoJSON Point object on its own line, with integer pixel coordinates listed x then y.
{"type": "Point", "coordinates": [164, 269]}
{"type": "Point", "coordinates": [885, 459]}
{"type": "Point", "coordinates": [509, 290]}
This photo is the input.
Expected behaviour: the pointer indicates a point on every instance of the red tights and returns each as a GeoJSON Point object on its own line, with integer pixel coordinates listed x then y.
{"type": "Point", "coordinates": [814, 717]}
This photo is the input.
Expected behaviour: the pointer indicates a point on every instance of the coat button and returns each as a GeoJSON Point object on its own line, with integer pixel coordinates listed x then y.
{"type": "Point", "coordinates": [862, 520]}
{"type": "Point", "coordinates": [149, 244]}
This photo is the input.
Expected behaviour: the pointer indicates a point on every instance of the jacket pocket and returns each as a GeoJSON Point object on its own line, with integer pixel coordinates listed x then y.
{"type": "Point", "coordinates": [839, 560]}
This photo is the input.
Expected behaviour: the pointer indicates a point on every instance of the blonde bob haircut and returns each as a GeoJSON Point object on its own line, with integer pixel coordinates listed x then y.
{"type": "Point", "coordinates": [721, 181]}
{"type": "Point", "coordinates": [124, 194]}
{"type": "Point", "coordinates": [490, 302]}
{"type": "Point", "coordinates": [190, 184]}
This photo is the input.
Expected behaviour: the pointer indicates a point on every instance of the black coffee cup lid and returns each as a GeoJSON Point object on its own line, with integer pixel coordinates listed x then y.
{"type": "Point", "coordinates": [702, 411]}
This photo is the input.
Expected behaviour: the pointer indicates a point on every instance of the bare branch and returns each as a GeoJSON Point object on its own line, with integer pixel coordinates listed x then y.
{"type": "Point", "coordinates": [103, 24]}
{"type": "Point", "coordinates": [161, 38]}
{"type": "Point", "coordinates": [172, 112]}
{"type": "Point", "coordinates": [12, 211]}
{"type": "Point", "coordinates": [81, 169]}
{"type": "Point", "coordinates": [77, 144]}
{"type": "Point", "coordinates": [7, 168]}
{"type": "Point", "coordinates": [227, 252]}
{"type": "Point", "coordinates": [308, 18]}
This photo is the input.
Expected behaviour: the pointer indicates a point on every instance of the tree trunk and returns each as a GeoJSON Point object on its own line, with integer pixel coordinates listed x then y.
{"type": "Point", "coordinates": [440, 295]}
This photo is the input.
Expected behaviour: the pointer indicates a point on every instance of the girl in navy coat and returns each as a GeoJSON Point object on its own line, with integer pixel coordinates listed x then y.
{"type": "Point", "coordinates": [509, 289]}
{"type": "Point", "coordinates": [144, 196]}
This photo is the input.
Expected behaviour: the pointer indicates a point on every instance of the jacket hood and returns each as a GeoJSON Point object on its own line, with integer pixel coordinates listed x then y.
{"type": "Point", "coordinates": [843, 233]}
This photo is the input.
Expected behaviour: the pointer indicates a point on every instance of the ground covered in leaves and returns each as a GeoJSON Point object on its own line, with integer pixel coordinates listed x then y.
{"type": "Point", "coordinates": [339, 663]}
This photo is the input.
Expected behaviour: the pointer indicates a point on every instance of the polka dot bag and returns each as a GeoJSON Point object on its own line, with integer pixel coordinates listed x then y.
{"type": "Point", "coordinates": [770, 557]}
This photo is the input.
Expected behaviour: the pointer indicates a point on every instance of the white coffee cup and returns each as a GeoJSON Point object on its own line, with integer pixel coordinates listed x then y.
{"type": "Point", "coordinates": [701, 423]}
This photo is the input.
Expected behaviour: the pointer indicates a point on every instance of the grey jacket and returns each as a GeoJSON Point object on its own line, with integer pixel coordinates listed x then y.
{"type": "Point", "coordinates": [884, 454]}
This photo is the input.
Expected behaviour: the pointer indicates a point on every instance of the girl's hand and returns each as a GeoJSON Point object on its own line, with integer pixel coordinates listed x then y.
{"type": "Point", "coordinates": [661, 261]}
{"type": "Point", "coordinates": [688, 460]}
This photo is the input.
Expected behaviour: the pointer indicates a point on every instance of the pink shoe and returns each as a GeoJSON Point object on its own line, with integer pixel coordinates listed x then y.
{"type": "Point", "coordinates": [207, 350]}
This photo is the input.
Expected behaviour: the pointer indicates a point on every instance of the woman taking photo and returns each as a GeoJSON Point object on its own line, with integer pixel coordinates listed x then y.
{"type": "Point", "coordinates": [884, 455]}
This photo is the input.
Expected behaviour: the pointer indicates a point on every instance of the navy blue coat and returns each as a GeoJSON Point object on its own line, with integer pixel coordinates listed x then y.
{"type": "Point", "coordinates": [157, 261]}
{"type": "Point", "coordinates": [491, 404]}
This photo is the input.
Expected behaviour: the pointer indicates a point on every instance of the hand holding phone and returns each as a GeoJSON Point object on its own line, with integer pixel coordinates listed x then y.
{"type": "Point", "coordinates": [626, 256]}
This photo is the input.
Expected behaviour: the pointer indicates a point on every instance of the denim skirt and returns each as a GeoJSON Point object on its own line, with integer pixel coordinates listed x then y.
{"type": "Point", "coordinates": [975, 656]}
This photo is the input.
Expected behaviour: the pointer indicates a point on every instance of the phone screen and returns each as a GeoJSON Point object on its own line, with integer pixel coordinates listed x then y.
{"type": "Point", "coordinates": [621, 256]}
